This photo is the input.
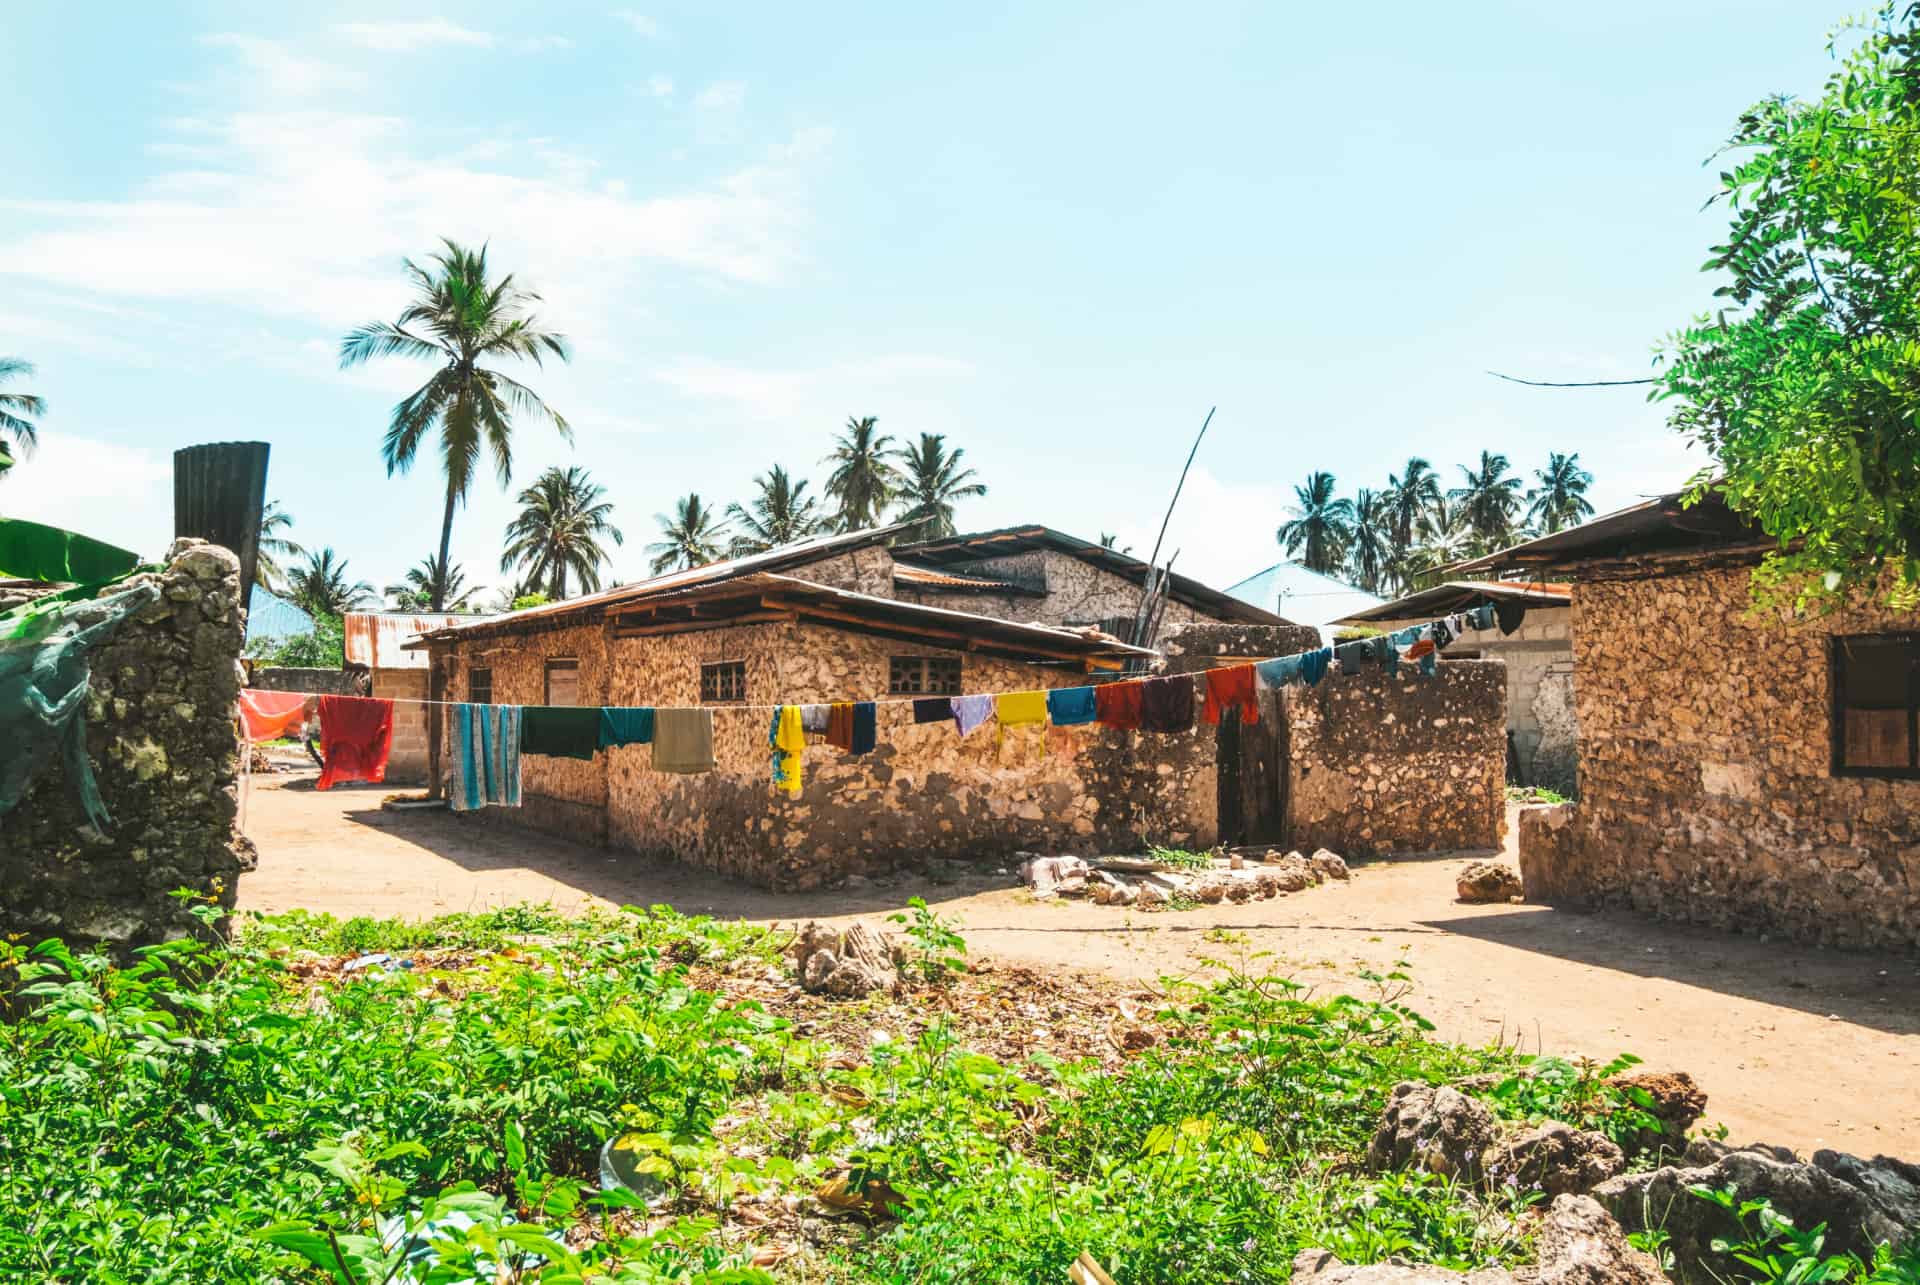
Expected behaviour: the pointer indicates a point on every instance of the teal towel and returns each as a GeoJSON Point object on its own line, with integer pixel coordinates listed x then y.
{"type": "Point", "coordinates": [1068, 706]}
{"type": "Point", "coordinates": [626, 727]}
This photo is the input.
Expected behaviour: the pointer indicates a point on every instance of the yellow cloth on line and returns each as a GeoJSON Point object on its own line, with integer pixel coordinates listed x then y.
{"type": "Point", "coordinates": [1019, 709]}
{"type": "Point", "coordinates": [789, 743]}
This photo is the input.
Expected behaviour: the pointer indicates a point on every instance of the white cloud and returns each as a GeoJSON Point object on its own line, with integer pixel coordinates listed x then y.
{"type": "Point", "coordinates": [721, 96]}
{"type": "Point", "coordinates": [640, 23]}
{"type": "Point", "coordinates": [403, 37]}
{"type": "Point", "coordinates": [1222, 530]}
{"type": "Point", "coordinates": [540, 44]}
{"type": "Point", "coordinates": [121, 494]}
{"type": "Point", "coordinates": [660, 86]}
{"type": "Point", "coordinates": [283, 70]}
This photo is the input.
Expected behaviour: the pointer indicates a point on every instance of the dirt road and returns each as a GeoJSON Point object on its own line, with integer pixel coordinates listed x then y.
{"type": "Point", "coordinates": [1795, 1046]}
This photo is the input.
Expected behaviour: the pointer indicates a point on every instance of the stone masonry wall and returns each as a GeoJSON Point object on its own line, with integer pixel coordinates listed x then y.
{"type": "Point", "coordinates": [1706, 786]}
{"type": "Point", "coordinates": [1380, 765]}
{"type": "Point", "coordinates": [162, 736]}
{"type": "Point", "coordinates": [407, 762]}
{"type": "Point", "coordinates": [868, 571]}
{"type": "Point", "coordinates": [1206, 644]}
{"type": "Point", "coordinates": [1078, 593]}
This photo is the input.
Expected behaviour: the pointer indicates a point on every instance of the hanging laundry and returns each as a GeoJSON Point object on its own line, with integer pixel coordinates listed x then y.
{"type": "Point", "coordinates": [484, 766]}
{"type": "Point", "coordinates": [970, 711]}
{"type": "Point", "coordinates": [1166, 704]}
{"type": "Point", "coordinates": [1314, 665]}
{"type": "Point", "coordinates": [788, 740]}
{"type": "Point", "coordinates": [840, 726]}
{"type": "Point", "coordinates": [866, 727]}
{"type": "Point", "coordinates": [356, 732]}
{"type": "Point", "coordinates": [1352, 655]}
{"type": "Point", "coordinates": [1443, 634]}
{"type": "Point", "coordinates": [560, 731]}
{"type": "Point", "coordinates": [1118, 704]}
{"type": "Point", "coordinates": [1020, 709]}
{"type": "Point", "coordinates": [932, 709]}
{"type": "Point", "coordinates": [1381, 647]}
{"type": "Point", "coordinates": [268, 716]}
{"type": "Point", "coordinates": [682, 740]}
{"type": "Point", "coordinates": [627, 726]}
{"type": "Point", "coordinates": [813, 718]}
{"type": "Point", "coordinates": [1229, 690]}
{"type": "Point", "coordinates": [1510, 615]}
{"type": "Point", "coordinates": [1278, 673]}
{"type": "Point", "coordinates": [1482, 616]}
{"type": "Point", "coordinates": [1071, 706]}
{"type": "Point", "coordinates": [1415, 644]}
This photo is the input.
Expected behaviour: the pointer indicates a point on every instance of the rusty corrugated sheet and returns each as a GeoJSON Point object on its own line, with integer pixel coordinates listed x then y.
{"type": "Point", "coordinates": [375, 638]}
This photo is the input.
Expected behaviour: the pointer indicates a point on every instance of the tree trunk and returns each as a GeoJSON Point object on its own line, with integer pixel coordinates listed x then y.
{"type": "Point", "coordinates": [559, 579]}
{"type": "Point", "coordinates": [446, 538]}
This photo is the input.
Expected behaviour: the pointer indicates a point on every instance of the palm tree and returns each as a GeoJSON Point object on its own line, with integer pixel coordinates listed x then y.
{"type": "Point", "coordinates": [432, 578]}
{"type": "Point", "coordinates": [18, 411]}
{"type": "Point", "coordinates": [863, 478]}
{"type": "Point", "coordinates": [782, 513]}
{"type": "Point", "coordinates": [690, 538]}
{"type": "Point", "coordinates": [1488, 500]}
{"type": "Point", "coordinates": [1370, 548]}
{"type": "Point", "coordinates": [1321, 525]}
{"type": "Point", "coordinates": [931, 481]}
{"type": "Point", "coordinates": [561, 524]}
{"type": "Point", "coordinates": [268, 570]}
{"type": "Point", "coordinates": [467, 319]}
{"type": "Point", "coordinates": [1561, 498]}
{"type": "Point", "coordinates": [321, 587]}
{"type": "Point", "coordinates": [1409, 496]}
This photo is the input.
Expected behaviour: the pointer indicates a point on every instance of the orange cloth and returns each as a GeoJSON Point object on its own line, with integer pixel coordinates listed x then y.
{"type": "Point", "coordinates": [840, 726]}
{"type": "Point", "coordinates": [1228, 689]}
{"type": "Point", "coordinates": [1118, 704]}
{"type": "Point", "coordinates": [267, 716]}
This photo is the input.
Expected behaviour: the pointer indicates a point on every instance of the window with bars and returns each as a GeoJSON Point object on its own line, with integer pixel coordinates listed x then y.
{"type": "Point", "coordinates": [723, 681]}
{"type": "Point", "coordinates": [1876, 705]}
{"type": "Point", "coordinates": [563, 682]}
{"type": "Point", "coordinates": [923, 676]}
{"type": "Point", "coordinates": [480, 685]}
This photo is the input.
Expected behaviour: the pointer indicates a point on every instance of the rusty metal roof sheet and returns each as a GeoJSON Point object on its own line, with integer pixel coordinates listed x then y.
{"type": "Point", "coordinates": [906, 573]}
{"type": "Point", "coordinates": [1457, 595]}
{"type": "Point", "coordinates": [377, 639]}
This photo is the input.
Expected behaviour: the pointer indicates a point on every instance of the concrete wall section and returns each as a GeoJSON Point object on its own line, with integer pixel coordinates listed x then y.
{"type": "Point", "coordinates": [1707, 793]}
{"type": "Point", "coordinates": [407, 762]}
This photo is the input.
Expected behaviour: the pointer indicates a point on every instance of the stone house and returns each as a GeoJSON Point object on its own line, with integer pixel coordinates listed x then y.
{"type": "Point", "coordinates": [1038, 574]}
{"type": "Point", "coordinates": [1756, 770]}
{"type": "Point", "coordinates": [1543, 735]}
{"type": "Point", "coordinates": [375, 646]}
{"type": "Point", "coordinates": [801, 624]}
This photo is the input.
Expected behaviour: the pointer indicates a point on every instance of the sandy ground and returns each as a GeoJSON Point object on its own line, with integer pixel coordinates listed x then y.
{"type": "Point", "coordinates": [1795, 1046]}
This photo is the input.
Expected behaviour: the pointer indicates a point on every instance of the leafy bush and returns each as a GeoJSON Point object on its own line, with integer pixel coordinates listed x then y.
{"type": "Point", "coordinates": [938, 950]}
{"type": "Point", "coordinates": [1581, 1094]}
{"type": "Point", "coordinates": [1775, 1252]}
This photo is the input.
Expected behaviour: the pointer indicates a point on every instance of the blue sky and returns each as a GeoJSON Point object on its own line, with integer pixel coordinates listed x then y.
{"type": "Point", "coordinates": [1056, 233]}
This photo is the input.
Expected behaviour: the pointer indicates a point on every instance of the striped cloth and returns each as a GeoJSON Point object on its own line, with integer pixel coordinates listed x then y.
{"type": "Point", "coordinates": [485, 768]}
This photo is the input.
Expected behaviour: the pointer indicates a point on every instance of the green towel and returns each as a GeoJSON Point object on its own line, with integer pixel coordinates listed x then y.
{"type": "Point", "coordinates": [560, 731]}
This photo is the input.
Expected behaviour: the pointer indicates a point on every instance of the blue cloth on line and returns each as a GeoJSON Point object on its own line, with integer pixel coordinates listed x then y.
{"type": "Point", "coordinates": [1278, 673]}
{"type": "Point", "coordinates": [626, 727]}
{"type": "Point", "coordinates": [485, 767]}
{"type": "Point", "coordinates": [865, 724]}
{"type": "Point", "coordinates": [1069, 706]}
{"type": "Point", "coordinates": [1313, 666]}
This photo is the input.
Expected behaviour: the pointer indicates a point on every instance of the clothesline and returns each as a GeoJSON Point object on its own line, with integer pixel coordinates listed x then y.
{"type": "Point", "coordinates": [1282, 662]}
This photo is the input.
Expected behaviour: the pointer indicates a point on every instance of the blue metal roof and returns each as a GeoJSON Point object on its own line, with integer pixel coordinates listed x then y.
{"type": "Point", "coordinates": [1302, 596]}
{"type": "Point", "coordinates": [270, 616]}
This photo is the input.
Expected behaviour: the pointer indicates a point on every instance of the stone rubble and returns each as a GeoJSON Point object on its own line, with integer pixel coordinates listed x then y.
{"type": "Point", "coordinates": [1488, 881]}
{"type": "Point", "coordinates": [848, 963]}
{"type": "Point", "coordinates": [1142, 881]}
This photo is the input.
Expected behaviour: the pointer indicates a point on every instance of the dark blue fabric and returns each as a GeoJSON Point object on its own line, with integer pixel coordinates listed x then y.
{"type": "Point", "coordinates": [932, 709]}
{"type": "Point", "coordinates": [864, 733]}
{"type": "Point", "coordinates": [1067, 706]}
{"type": "Point", "coordinates": [1313, 665]}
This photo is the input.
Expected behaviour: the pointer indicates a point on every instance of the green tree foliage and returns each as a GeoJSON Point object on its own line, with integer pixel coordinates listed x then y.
{"type": "Point", "coordinates": [932, 479]}
{"type": "Point", "coordinates": [429, 580]}
{"type": "Point", "coordinates": [690, 538]}
{"type": "Point", "coordinates": [1370, 546]}
{"type": "Point", "coordinates": [559, 530]}
{"type": "Point", "coordinates": [274, 547]}
{"type": "Point", "coordinates": [1560, 501]}
{"type": "Point", "coordinates": [320, 587]}
{"type": "Point", "coordinates": [864, 480]}
{"type": "Point", "coordinates": [1321, 526]}
{"type": "Point", "coordinates": [324, 648]}
{"type": "Point", "coordinates": [459, 319]}
{"type": "Point", "coordinates": [1488, 499]}
{"type": "Point", "coordinates": [781, 513]}
{"type": "Point", "coordinates": [1804, 386]}
{"type": "Point", "coordinates": [19, 414]}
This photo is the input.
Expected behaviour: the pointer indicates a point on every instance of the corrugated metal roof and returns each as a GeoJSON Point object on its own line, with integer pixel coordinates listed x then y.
{"type": "Point", "coordinates": [1302, 596]}
{"type": "Point", "coordinates": [1664, 525]}
{"type": "Point", "coordinates": [1457, 595]}
{"type": "Point", "coordinates": [271, 616]}
{"type": "Point", "coordinates": [376, 638]}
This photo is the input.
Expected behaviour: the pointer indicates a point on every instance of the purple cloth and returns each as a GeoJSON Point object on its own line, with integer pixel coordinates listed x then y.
{"type": "Point", "coordinates": [971, 711]}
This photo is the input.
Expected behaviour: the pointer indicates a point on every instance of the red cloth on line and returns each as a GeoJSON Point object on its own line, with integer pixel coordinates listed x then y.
{"type": "Point", "coordinates": [1118, 704]}
{"type": "Point", "coordinates": [1228, 689]}
{"type": "Point", "coordinates": [267, 715]}
{"type": "Point", "coordinates": [355, 734]}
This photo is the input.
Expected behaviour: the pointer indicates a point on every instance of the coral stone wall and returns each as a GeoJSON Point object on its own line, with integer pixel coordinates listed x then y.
{"type": "Point", "coordinates": [1078, 593]}
{"type": "Point", "coordinates": [1707, 793]}
{"type": "Point", "coordinates": [1203, 645]}
{"type": "Point", "coordinates": [1379, 764]}
{"type": "Point", "coordinates": [868, 571]}
{"type": "Point", "coordinates": [558, 795]}
{"type": "Point", "coordinates": [162, 736]}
